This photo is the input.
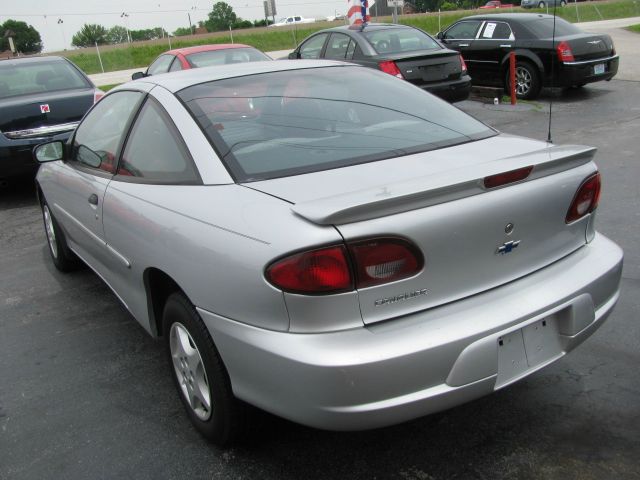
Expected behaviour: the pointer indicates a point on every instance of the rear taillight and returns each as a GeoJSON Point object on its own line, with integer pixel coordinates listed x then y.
{"type": "Point", "coordinates": [97, 95]}
{"type": "Point", "coordinates": [586, 199]}
{"type": "Point", "coordinates": [564, 52]}
{"type": "Point", "coordinates": [391, 68]}
{"type": "Point", "coordinates": [511, 176]}
{"type": "Point", "coordinates": [463, 65]}
{"type": "Point", "coordinates": [339, 269]}
{"type": "Point", "coordinates": [325, 270]}
{"type": "Point", "coordinates": [384, 260]}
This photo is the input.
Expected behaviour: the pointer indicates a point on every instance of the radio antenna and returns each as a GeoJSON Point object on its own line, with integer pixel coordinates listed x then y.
{"type": "Point", "coordinates": [553, 46]}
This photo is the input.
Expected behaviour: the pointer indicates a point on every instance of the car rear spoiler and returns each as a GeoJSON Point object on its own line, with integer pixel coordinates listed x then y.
{"type": "Point", "coordinates": [435, 189]}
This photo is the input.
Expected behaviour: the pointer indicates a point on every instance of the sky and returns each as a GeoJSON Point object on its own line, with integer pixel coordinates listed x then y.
{"type": "Point", "coordinates": [44, 15]}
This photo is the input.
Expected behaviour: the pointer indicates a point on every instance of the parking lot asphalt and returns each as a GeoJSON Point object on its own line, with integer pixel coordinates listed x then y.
{"type": "Point", "coordinates": [86, 394]}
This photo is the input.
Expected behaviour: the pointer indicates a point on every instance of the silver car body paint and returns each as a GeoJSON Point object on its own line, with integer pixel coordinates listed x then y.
{"type": "Point", "coordinates": [349, 361]}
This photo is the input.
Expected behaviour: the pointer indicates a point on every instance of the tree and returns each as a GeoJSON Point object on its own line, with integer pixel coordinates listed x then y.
{"type": "Point", "coordinates": [221, 17]}
{"type": "Point", "coordinates": [117, 34]}
{"type": "Point", "coordinates": [89, 35]}
{"type": "Point", "coordinates": [25, 37]}
{"type": "Point", "coordinates": [182, 31]}
{"type": "Point", "coordinates": [147, 34]}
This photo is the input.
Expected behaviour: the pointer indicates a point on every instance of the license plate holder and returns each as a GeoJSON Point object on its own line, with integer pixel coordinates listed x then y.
{"type": "Point", "coordinates": [599, 69]}
{"type": "Point", "coordinates": [527, 349]}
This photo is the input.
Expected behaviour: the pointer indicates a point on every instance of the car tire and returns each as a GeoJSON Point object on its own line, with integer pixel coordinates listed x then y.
{"type": "Point", "coordinates": [199, 374]}
{"type": "Point", "coordinates": [527, 80]}
{"type": "Point", "coordinates": [541, 5]}
{"type": "Point", "coordinates": [61, 255]}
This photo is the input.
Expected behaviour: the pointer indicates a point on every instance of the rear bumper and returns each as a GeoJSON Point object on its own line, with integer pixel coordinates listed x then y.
{"type": "Point", "coordinates": [399, 370]}
{"type": "Point", "coordinates": [455, 91]}
{"type": "Point", "coordinates": [581, 72]}
{"type": "Point", "coordinates": [16, 158]}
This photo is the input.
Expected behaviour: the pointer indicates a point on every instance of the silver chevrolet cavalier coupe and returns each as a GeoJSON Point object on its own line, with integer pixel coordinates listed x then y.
{"type": "Point", "coordinates": [327, 242]}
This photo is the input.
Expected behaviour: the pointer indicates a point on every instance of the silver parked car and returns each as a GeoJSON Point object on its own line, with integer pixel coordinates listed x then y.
{"type": "Point", "coordinates": [327, 242]}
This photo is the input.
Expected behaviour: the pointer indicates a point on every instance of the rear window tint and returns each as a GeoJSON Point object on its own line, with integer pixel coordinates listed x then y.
{"type": "Point", "coordinates": [25, 78]}
{"type": "Point", "coordinates": [285, 123]}
{"type": "Point", "coordinates": [398, 40]}
{"type": "Point", "coordinates": [543, 28]}
{"type": "Point", "coordinates": [223, 57]}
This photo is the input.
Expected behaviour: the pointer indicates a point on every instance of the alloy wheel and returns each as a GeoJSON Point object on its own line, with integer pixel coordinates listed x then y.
{"type": "Point", "coordinates": [523, 81]}
{"type": "Point", "coordinates": [50, 231]}
{"type": "Point", "coordinates": [190, 371]}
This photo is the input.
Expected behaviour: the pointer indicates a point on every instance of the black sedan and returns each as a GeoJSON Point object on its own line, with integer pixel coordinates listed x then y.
{"type": "Point", "coordinates": [41, 99]}
{"type": "Point", "coordinates": [402, 51]}
{"type": "Point", "coordinates": [573, 59]}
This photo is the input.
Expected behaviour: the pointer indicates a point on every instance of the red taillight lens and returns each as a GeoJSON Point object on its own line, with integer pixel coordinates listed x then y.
{"type": "Point", "coordinates": [324, 270]}
{"type": "Point", "coordinates": [507, 177]}
{"type": "Point", "coordinates": [384, 260]}
{"type": "Point", "coordinates": [586, 200]}
{"type": "Point", "coordinates": [391, 68]}
{"type": "Point", "coordinates": [564, 52]}
{"type": "Point", "coordinates": [327, 270]}
{"type": "Point", "coordinates": [463, 65]}
{"type": "Point", "coordinates": [97, 95]}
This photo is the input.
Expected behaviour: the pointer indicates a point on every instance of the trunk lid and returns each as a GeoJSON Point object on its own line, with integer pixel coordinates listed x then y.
{"type": "Point", "coordinates": [44, 109]}
{"type": "Point", "coordinates": [431, 67]}
{"type": "Point", "coordinates": [588, 46]}
{"type": "Point", "coordinates": [437, 201]}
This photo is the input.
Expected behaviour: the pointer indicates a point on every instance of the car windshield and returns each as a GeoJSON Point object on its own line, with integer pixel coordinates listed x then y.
{"type": "Point", "coordinates": [399, 40]}
{"type": "Point", "coordinates": [285, 123]}
{"type": "Point", "coordinates": [26, 78]}
{"type": "Point", "coordinates": [226, 56]}
{"type": "Point", "coordinates": [543, 27]}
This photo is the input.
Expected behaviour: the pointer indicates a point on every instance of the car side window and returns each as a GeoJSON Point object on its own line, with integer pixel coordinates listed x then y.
{"type": "Point", "coordinates": [497, 31]}
{"type": "Point", "coordinates": [155, 151]}
{"type": "Point", "coordinates": [337, 47]}
{"type": "Point", "coordinates": [98, 137]}
{"type": "Point", "coordinates": [161, 65]}
{"type": "Point", "coordinates": [313, 47]}
{"type": "Point", "coordinates": [351, 49]}
{"type": "Point", "coordinates": [175, 65]}
{"type": "Point", "coordinates": [463, 31]}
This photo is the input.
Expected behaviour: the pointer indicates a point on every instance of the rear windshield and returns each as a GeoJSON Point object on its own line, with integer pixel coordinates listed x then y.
{"type": "Point", "coordinates": [25, 78]}
{"type": "Point", "coordinates": [543, 28]}
{"type": "Point", "coordinates": [222, 57]}
{"type": "Point", "coordinates": [399, 40]}
{"type": "Point", "coordinates": [285, 123]}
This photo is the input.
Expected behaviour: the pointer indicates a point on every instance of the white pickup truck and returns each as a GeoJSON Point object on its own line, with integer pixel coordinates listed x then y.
{"type": "Point", "coordinates": [294, 20]}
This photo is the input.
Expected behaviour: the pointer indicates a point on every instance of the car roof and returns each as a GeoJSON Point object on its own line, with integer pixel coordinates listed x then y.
{"type": "Point", "coordinates": [206, 48]}
{"type": "Point", "coordinates": [519, 17]}
{"type": "Point", "coordinates": [176, 81]}
{"type": "Point", "coordinates": [366, 28]}
{"type": "Point", "coordinates": [34, 59]}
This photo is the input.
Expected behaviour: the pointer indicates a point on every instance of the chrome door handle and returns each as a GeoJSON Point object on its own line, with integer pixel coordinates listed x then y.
{"type": "Point", "coordinates": [93, 199]}
{"type": "Point", "coordinates": [463, 44]}
{"type": "Point", "coordinates": [505, 46]}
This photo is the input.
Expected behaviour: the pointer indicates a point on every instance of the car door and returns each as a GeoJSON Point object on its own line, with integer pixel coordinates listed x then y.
{"type": "Point", "coordinates": [460, 36]}
{"type": "Point", "coordinates": [79, 192]}
{"type": "Point", "coordinates": [155, 164]}
{"type": "Point", "coordinates": [496, 40]}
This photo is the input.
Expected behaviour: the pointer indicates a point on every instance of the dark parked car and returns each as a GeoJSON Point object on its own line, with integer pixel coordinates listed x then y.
{"type": "Point", "coordinates": [402, 51]}
{"type": "Point", "coordinates": [574, 59]}
{"type": "Point", "coordinates": [202, 56]}
{"type": "Point", "coordinates": [41, 99]}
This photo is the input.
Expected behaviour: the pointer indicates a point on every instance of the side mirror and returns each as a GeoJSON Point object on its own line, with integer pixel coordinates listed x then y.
{"type": "Point", "coordinates": [440, 36]}
{"type": "Point", "coordinates": [294, 55]}
{"type": "Point", "coordinates": [49, 152]}
{"type": "Point", "coordinates": [138, 75]}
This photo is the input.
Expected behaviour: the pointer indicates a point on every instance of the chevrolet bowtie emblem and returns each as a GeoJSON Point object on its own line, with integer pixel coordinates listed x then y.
{"type": "Point", "coordinates": [507, 247]}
